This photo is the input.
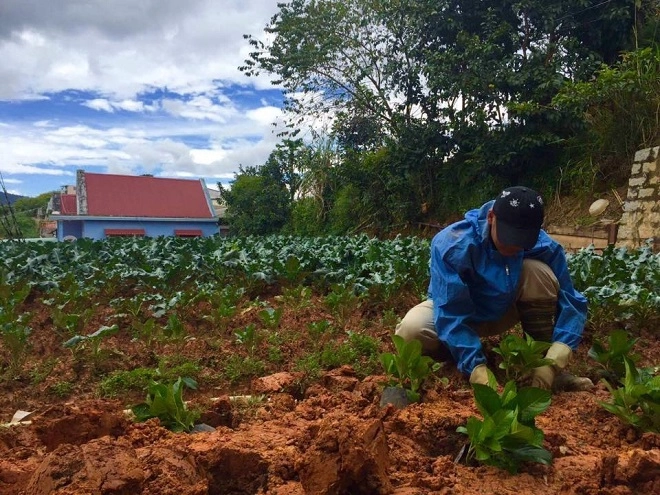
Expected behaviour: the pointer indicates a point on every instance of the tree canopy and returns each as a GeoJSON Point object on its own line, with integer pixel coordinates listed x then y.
{"type": "Point", "coordinates": [438, 103]}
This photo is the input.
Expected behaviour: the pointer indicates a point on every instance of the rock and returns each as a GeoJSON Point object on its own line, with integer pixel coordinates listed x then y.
{"type": "Point", "coordinates": [598, 207]}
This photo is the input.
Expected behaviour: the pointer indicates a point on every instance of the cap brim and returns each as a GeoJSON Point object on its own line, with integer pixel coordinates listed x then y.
{"type": "Point", "coordinates": [514, 236]}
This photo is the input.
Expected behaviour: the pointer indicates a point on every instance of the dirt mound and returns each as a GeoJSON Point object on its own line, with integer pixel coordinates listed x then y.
{"type": "Point", "coordinates": [336, 440]}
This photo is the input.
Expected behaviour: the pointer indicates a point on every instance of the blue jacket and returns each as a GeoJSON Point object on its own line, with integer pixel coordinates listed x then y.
{"type": "Point", "coordinates": [471, 283]}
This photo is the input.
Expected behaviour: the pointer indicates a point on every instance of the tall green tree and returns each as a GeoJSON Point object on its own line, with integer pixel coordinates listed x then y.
{"type": "Point", "coordinates": [331, 55]}
{"type": "Point", "coordinates": [257, 202]}
{"type": "Point", "coordinates": [441, 96]}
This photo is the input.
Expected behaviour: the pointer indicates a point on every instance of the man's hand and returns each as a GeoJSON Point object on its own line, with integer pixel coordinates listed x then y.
{"type": "Point", "coordinates": [479, 375]}
{"type": "Point", "coordinates": [544, 376]}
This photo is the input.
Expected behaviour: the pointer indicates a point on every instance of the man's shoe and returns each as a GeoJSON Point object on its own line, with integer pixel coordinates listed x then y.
{"type": "Point", "coordinates": [566, 382]}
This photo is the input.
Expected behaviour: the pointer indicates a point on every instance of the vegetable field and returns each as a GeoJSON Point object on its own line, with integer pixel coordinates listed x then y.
{"type": "Point", "coordinates": [256, 366]}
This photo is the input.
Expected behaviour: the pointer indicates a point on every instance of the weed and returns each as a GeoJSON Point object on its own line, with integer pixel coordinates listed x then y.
{"type": "Point", "coordinates": [119, 382]}
{"type": "Point", "coordinates": [390, 319]}
{"type": "Point", "coordinates": [237, 368]}
{"type": "Point", "coordinates": [61, 389]}
{"type": "Point", "coordinates": [42, 371]}
{"type": "Point", "coordinates": [342, 302]}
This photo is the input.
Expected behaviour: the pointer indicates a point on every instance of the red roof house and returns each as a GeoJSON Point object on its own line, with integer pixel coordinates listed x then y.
{"type": "Point", "coordinates": [123, 205]}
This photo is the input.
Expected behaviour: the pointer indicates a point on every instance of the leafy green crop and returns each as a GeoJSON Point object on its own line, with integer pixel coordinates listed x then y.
{"type": "Point", "coordinates": [165, 402]}
{"type": "Point", "coordinates": [93, 340]}
{"type": "Point", "coordinates": [619, 282]}
{"type": "Point", "coordinates": [612, 357]}
{"type": "Point", "coordinates": [521, 355]}
{"type": "Point", "coordinates": [408, 368]}
{"type": "Point", "coordinates": [507, 435]}
{"type": "Point", "coordinates": [638, 402]}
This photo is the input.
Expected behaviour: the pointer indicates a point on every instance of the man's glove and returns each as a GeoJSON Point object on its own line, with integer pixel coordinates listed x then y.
{"type": "Point", "coordinates": [479, 375]}
{"type": "Point", "coordinates": [544, 376]}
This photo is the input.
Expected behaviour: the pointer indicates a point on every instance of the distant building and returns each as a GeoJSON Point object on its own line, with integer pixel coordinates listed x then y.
{"type": "Point", "coordinates": [105, 205]}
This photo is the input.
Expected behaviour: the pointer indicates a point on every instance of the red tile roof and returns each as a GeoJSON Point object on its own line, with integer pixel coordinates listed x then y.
{"type": "Point", "coordinates": [68, 206]}
{"type": "Point", "coordinates": [140, 196]}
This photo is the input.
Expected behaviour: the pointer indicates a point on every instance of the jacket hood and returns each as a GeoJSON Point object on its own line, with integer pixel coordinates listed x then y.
{"type": "Point", "coordinates": [478, 218]}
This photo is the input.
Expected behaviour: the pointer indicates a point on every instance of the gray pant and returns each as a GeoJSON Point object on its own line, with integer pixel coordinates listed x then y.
{"type": "Point", "coordinates": [537, 284]}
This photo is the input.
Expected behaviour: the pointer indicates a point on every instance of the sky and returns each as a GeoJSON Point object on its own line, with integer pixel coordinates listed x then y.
{"type": "Point", "coordinates": [131, 87]}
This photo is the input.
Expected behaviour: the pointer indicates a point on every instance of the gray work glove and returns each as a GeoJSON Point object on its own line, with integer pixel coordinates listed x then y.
{"type": "Point", "coordinates": [479, 375]}
{"type": "Point", "coordinates": [552, 377]}
{"type": "Point", "coordinates": [544, 376]}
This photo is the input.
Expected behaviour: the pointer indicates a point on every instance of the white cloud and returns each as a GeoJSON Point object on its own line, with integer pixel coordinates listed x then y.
{"type": "Point", "coordinates": [132, 87]}
{"type": "Point", "coordinates": [99, 104]}
{"type": "Point", "coordinates": [122, 47]}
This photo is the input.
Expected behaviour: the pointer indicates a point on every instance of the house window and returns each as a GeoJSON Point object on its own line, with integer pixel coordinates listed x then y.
{"type": "Point", "coordinates": [188, 232]}
{"type": "Point", "coordinates": [124, 232]}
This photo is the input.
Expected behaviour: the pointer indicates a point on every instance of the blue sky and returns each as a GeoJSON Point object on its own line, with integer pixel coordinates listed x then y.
{"type": "Point", "coordinates": [131, 87]}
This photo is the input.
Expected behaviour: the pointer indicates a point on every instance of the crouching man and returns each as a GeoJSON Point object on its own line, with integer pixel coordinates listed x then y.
{"type": "Point", "coordinates": [493, 269]}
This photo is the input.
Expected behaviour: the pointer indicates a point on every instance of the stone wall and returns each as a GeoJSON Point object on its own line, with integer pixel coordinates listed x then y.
{"type": "Point", "coordinates": [641, 212]}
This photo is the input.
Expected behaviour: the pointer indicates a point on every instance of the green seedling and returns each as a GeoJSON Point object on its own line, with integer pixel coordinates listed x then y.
{"type": "Point", "coordinates": [637, 402]}
{"type": "Point", "coordinates": [318, 328]}
{"type": "Point", "coordinates": [165, 402]}
{"type": "Point", "coordinates": [612, 357]}
{"type": "Point", "coordinates": [145, 330]}
{"type": "Point", "coordinates": [271, 317]}
{"type": "Point", "coordinates": [298, 297]}
{"type": "Point", "coordinates": [507, 436]}
{"type": "Point", "coordinates": [70, 323]}
{"type": "Point", "coordinates": [250, 337]}
{"type": "Point", "coordinates": [224, 306]}
{"type": "Point", "coordinates": [14, 336]}
{"type": "Point", "coordinates": [342, 302]}
{"type": "Point", "coordinates": [93, 341]}
{"type": "Point", "coordinates": [407, 368]}
{"type": "Point", "coordinates": [174, 328]}
{"type": "Point", "coordinates": [521, 355]}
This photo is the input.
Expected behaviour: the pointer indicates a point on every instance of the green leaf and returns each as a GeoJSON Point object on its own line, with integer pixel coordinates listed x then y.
{"type": "Point", "coordinates": [487, 400]}
{"type": "Point", "coordinates": [532, 401]}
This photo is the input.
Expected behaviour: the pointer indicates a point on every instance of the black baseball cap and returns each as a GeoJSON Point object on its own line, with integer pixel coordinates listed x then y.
{"type": "Point", "coordinates": [519, 214]}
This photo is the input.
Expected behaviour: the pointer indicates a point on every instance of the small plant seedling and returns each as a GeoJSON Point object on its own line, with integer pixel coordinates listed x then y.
{"type": "Point", "coordinates": [14, 335]}
{"type": "Point", "coordinates": [250, 337]}
{"type": "Point", "coordinates": [145, 330]}
{"type": "Point", "coordinates": [637, 402]}
{"type": "Point", "coordinates": [408, 368]}
{"type": "Point", "coordinates": [174, 328]}
{"type": "Point", "coordinates": [318, 328]}
{"type": "Point", "coordinates": [298, 297]}
{"type": "Point", "coordinates": [342, 302]}
{"type": "Point", "coordinates": [507, 436]}
{"type": "Point", "coordinates": [165, 402]}
{"type": "Point", "coordinates": [271, 317]}
{"type": "Point", "coordinates": [612, 357]}
{"type": "Point", "coordinates": [521, 355]}
{"type": "Point", "coordinates": [93, 340]}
